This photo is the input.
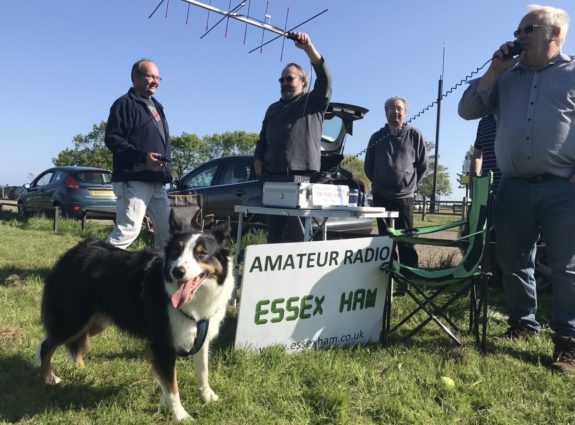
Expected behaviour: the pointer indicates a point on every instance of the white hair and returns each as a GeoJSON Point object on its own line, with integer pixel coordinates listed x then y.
{"type": "Point", "coordinates": [552, 17]}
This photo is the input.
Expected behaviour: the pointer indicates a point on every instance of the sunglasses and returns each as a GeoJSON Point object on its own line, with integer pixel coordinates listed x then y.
{"type": "Point", "coordinates": [527, 30]}
{"type": "Point", "coordinates": [287, 79]}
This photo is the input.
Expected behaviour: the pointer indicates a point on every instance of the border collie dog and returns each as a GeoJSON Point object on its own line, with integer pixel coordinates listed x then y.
{"type": "Point", "coordinates": [176, 303]}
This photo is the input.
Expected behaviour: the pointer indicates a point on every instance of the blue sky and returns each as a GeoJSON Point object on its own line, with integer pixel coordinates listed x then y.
{"type": "Point", "coordinates": [64, 62]}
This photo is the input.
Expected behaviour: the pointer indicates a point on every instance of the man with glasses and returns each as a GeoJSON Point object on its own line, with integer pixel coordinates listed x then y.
{"type": "Point", "coordinates": [138, 136]}
{"type": "Point", "coordinates": [395, 162]}
{"type": "Point", "coordinates": [289, 143]}
{"type": "Point", "coordinates": [533, 98]}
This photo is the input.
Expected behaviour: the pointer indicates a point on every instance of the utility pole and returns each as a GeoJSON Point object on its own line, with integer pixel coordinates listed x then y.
{"type": "Point", "coordinates": [437, 125]}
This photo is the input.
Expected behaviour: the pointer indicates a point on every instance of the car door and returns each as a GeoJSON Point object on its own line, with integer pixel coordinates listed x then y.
{"type": "Point", "coordinates": [39, 195]}
{"type": "Point", "coordinates": [235, 184]}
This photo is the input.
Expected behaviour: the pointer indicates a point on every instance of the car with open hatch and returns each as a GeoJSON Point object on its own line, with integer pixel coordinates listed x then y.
{"type": "Point", "coordinates": [229, 181]}
{"type": "Point", "coordinates": [76, 190]}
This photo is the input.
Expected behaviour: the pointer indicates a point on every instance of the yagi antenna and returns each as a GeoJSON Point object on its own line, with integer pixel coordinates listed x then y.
{"type": "Point", "coordinates": [264, 25]}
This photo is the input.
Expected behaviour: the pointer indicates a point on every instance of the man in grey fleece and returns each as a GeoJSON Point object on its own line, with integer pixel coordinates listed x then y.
{"type": "Point", "coordinates": [289, 142]}
{"type": "Point", "coordinates": [395, 162]}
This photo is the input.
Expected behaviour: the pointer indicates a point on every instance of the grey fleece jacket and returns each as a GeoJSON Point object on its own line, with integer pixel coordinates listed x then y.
{"type": "Point", "coordinates": [291, 131]}
{"type": "Point", "coordinates": [395, 163]}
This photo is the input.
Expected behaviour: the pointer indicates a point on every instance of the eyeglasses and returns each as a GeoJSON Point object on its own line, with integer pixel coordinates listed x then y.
{"type": "Point", "coordinates": [287, 79]}
{"type": "Point", "coordinates": [527, 30]}
{"type": "Point", "coordinates": [152, 76]}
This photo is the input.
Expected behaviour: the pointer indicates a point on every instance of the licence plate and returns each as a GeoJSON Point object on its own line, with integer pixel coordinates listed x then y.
{"type": "Point", "coordinates": [102, 193]}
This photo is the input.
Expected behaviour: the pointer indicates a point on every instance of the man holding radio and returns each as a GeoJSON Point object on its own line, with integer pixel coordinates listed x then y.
{"type": "Point", "coordinates": [533, 97]}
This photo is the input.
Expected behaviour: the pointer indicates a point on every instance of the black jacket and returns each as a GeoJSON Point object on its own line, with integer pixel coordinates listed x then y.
{"type": "Point", "coordinates": [395, 164]}
{"type": "Point", "coordinates": [131, 133]}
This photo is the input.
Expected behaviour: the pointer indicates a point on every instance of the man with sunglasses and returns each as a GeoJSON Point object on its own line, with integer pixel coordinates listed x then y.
{"type": "Point", "coordinates": [289, 142]}
{"type": "Point", "coordinates": [533, 97]}
{"type": "Point", "coordinates": [138, 136]}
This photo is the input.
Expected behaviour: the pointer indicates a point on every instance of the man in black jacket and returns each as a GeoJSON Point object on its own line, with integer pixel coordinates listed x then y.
{"type": "Point", "coordinates": [138, 136]}
{"type": "Point", "coordinates": [290, 139]}
{"type": "Point", "coordinates": [395, 162]}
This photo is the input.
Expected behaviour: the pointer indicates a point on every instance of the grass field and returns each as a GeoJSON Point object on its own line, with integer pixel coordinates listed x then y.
{"type": "Point", "coordinates": [367, 384]}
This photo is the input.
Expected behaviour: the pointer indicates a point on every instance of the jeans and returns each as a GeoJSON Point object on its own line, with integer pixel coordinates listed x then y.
{"type": "Point", "coordinates": [134, 198]}
{"type": "Point", "coordinates": [407, 253]}
{"type": "Point", "coordinates": [522, 210]}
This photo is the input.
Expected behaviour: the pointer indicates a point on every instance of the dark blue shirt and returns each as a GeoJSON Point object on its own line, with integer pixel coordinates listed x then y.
{"type": "Point", "coordinates": [485, 141]}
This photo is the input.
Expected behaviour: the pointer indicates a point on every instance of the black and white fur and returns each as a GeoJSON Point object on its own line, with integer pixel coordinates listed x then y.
{"type": "Point", "coordinates": [95, 284]}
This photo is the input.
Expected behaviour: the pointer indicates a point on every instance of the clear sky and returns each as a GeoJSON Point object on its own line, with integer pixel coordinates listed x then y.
{"type": "Point", "coordinates": [65, 61]}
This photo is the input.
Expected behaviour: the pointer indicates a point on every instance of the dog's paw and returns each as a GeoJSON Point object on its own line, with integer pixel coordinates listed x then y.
{"type": "Point", "coordinates": [52, 379]}
{"type": "Point", "coordinates": [182, 415]}
{"type": "Point", "coordinates": [208, 395]}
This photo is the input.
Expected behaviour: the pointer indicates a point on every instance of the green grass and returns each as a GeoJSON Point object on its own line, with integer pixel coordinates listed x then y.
{"type": "Point", "coordinates": [357, 385]}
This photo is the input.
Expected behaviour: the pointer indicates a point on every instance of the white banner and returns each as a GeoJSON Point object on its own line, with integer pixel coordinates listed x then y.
{"type": "Point", "coordinates": [313, 294]}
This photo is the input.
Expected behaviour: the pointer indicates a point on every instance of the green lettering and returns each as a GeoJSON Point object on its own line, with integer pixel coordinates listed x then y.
{"type": "Point", "coordinates": [318, 303]}
{"type": "Point", "coordinates": [358, 298]}
{"type": "Point", "coordinates": [294, 309]}
{"type": "Point", "coordinates": [271, 266]}
{"type": "Point", "coordinates": [347, 257]}
{"type": "Point", "coordinates": [277, 310]}
{"type": "Point", "coordinates": [371, 298]}
{"type": "Point", "coordinates": [260, 311]}
{"type": "Point", "coordinates": [304, 307]}
{"type": "Point", "coordinates": [345, 301]}
{"type": "Point", "coordinates": [257, 264]}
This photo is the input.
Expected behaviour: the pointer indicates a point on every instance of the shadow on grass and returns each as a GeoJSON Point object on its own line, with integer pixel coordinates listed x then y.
{"type": "Point", "coordinates": [24, 395]}
{"type": "Point", "coordinates": [15, 275]}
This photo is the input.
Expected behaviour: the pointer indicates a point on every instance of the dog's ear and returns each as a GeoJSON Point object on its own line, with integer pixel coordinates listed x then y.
{"type": "Point", "coordinates": [221, 230]}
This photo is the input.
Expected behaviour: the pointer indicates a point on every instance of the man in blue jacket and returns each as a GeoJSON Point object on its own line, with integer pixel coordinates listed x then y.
{"type": "Point", "coordinates": [138, 136]}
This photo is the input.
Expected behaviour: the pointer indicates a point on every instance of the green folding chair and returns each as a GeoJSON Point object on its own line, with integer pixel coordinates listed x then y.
{"type": "Point", "coordinates": [436, 290]}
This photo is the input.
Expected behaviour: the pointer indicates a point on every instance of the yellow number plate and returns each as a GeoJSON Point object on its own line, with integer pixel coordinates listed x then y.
{"type": "Point", "coordinates": [101, 193]}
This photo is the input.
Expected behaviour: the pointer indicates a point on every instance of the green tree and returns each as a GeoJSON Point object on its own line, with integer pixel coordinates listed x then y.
{"type": "Point", "coordinates": [355, 166]}
{"type": "Point", "coordinates": [466, 166]}
{"type": "Point", "coordinates": [189, 151]}
{"type": "Point", "coordinates": [88, 150]}
{"type": "Point", "coordinates": [425, 187]}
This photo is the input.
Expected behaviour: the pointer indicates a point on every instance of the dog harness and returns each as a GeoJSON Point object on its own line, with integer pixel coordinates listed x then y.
{"type": "Point", "coordinates": [201, 334]}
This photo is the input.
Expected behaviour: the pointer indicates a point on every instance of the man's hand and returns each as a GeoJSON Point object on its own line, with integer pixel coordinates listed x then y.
{"type": "Point", "coordinates": [303, 41]}
{"type": "Point", "coordinates": [154, 159]}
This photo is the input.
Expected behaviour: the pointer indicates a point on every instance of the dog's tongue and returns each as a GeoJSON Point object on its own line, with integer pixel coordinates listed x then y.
{"type": "Point", "coordinates": [185, 292]}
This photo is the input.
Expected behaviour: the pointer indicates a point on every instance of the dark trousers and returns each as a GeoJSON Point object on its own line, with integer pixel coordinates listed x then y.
{"type": "Point", "coordinates": [284, 229]}
{"type": "Point", "coordinates": [407, 253]}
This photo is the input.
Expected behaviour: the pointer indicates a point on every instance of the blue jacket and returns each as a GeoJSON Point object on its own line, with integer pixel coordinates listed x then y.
{"type": "Point", "coordinates": [131, 133]}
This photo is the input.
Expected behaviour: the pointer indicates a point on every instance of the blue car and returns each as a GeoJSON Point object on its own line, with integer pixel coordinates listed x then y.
{"type": "Point", "coordinates": [74, 189]}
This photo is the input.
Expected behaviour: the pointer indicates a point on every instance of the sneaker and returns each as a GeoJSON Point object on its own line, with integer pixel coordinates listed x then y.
{"type": "Point", "coordinates": [564, 355]}
{"type": "Point", "coordinates": [516, 332]}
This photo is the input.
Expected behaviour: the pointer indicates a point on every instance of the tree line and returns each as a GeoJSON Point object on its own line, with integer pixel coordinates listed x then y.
{"type": "Point", "coordinates": [190, 151]}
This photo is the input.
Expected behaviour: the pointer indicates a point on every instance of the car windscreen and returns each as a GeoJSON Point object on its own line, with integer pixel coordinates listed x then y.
{"type": "Point", "coordinates": [94, 177]}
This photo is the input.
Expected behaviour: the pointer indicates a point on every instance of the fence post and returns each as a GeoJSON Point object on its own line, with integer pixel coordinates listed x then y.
{"type": "Point", "coordinates": [83, 221]}
{"type": "Point", "coordinates": [423, 209]}
{"type": "Point", "coordinates": [464, 209]}
{"type": "Point", "coordinates": [56, 219]}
